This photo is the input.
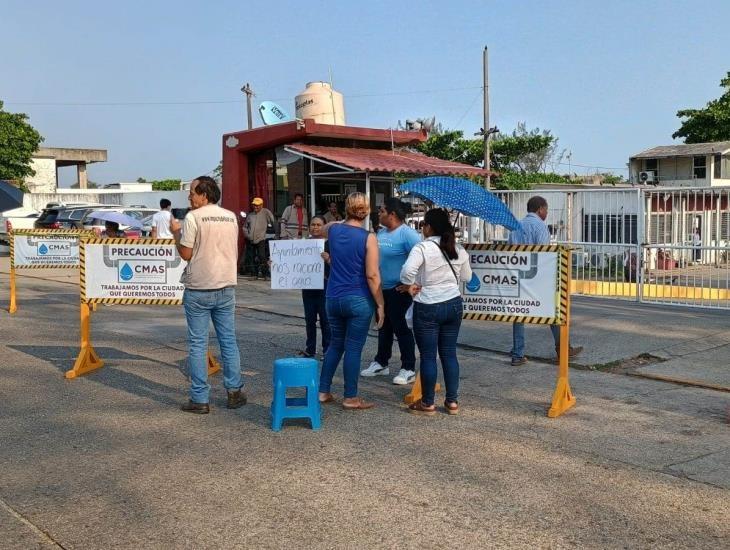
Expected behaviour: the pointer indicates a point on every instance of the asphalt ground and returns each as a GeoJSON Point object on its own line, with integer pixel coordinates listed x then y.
{"type": "Point", "coordinates": [109, 461]}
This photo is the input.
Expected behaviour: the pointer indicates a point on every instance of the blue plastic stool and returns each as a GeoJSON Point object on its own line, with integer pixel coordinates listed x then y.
{"type": "Point", "coordinates": [295, 372]}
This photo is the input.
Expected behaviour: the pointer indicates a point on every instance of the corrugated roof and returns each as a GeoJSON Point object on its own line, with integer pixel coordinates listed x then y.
{"type": "Point", "coordinates": [386, 160]}
{"type": "Point", "coordinates": [684, 150]}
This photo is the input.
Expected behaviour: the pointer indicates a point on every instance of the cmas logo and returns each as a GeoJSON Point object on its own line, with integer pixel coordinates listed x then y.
{"type": "Point", "coordinates": [126, 273]}
{"type": "Point", "coordinates": [43, 250]}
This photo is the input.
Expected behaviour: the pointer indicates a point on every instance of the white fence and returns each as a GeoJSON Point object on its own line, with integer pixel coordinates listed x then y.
{"type": "Point", "coordinates": [666, 245]}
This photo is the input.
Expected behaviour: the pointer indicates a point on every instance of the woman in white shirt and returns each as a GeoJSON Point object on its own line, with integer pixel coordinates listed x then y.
{"type": "Point", "coordinates": [432, 274]}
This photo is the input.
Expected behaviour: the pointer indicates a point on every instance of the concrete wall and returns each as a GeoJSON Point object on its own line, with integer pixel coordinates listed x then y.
{"type": "Point", "coordinates": [44, 180]}
{"type": "Point", "coordinates": [38, 201]}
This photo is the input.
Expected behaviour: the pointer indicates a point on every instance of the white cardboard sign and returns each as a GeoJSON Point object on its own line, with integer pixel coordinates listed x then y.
{"type": "Point", "coordinates": [513, 283]}
{"type": "Point", "coordinates": [46, 250]}
{"type": "Point", "coordinates": [133, 271]}
{"type": "Point", "coordinates": [297, 264]}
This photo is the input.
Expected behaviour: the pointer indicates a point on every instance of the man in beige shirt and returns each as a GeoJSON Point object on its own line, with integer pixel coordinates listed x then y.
{"type": "Point", "coordinates": [209, 243]}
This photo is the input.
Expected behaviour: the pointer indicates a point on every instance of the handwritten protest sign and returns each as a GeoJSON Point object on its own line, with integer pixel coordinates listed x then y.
{"type": "Point", "coordinates": [297, 264]}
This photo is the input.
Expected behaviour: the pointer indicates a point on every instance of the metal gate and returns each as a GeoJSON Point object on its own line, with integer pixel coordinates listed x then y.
{"type": "Point", "coordinates": [666, 245]}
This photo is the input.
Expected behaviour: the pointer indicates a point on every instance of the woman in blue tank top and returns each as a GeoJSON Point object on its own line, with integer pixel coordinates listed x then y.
{"type": "Point", "coordinates": [353, 293]}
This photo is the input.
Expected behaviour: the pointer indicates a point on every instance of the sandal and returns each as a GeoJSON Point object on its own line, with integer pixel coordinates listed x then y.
{"type": "Point", "coordinates": [419, 408]}
{"type": "Point", "coordinates": [329, 399]}
{"type": "Point", "coordinates": [359, 405]}
{"type": "Point", "coordinates": [451, 407]}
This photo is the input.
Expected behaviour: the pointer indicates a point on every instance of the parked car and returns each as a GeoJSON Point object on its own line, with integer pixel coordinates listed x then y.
{"type": "Point", "coordinates": [64, 216]}
{"type": "Point", "coordinates": [17, 218]}
{"type": "Point", "coordinates": [97, 225]}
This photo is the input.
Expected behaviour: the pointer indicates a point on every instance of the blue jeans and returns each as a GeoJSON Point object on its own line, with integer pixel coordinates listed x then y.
{"type": "Point", "coordinates": [200, 307]}
{"type": "Point", "coordinates": [314, 306]}
{"type": "Point", "coordinates": [396, 305]}
{"type": "Point", "coordinates": [518, 339]}
{"type": "Point", "coordinates": [436, 328]}
{"type": "Point", "coordinates": [349, 318]}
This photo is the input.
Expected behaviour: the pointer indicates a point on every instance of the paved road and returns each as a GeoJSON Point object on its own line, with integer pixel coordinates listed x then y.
{"type": "Point", "coordinates": [107, 461]}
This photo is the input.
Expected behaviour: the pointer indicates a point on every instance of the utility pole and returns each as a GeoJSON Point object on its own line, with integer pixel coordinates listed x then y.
{"type": "Point", "coordinates": [487, 164]}
{"type": "Point", "coordinates": [249, 95]}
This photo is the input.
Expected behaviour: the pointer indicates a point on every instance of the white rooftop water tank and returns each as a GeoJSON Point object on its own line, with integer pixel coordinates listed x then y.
{"type": "Point", "coordinates": [321, 103]}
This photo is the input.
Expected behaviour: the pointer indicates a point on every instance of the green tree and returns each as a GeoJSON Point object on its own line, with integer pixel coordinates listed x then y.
{"type": "Point", "coordinates": [526, 151]}
{"type": "Point", "coordinates": [166, 185]}
{"type": "Point", "coordinates": [141, 180]}
{"type": "Point", "coordinates": [709, 124]}
{"type": "Point", "coordinates": [18, 141]}
{"type": "Point", "coordinates": [452, 145]}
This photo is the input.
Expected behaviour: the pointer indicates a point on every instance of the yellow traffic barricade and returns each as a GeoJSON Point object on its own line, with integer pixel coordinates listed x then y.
{"type": "Point", "coordinates": [125, 272]}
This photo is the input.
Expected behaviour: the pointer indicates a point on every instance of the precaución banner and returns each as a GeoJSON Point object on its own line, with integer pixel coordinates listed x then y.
{"type": "Point", "coordinates": [140, 272]}
{"type": "Point", "coordinates": [46, 251]}
{"type": "Point", "coordinates": [513, 283]}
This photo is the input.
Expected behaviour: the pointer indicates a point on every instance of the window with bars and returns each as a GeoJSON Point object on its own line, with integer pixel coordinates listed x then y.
{"type": "Point", "coordinates": [610, 228]}
{"type": "Point", "coordinates": [699, 167]}
{"type": "Point", "coordinates": [660, 229]}
{"type": "Point", "coordinates": [724, 227]}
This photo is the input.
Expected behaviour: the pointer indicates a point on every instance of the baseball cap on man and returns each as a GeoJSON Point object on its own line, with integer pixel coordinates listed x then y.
{"type": "Point", "coordinates": [257, 201]}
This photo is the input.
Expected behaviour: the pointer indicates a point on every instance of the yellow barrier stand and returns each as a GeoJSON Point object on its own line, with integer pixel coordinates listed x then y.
{"type": "Point", "coordinates": [563, 398]}
{"type": "Point", "coordinates": [417, 391]}
{"type": "Point", "coordinates": [88, 360]}
{"type": "Point", "coordinates": [13, 306]}
{"type": "Point", "coordinates": [48, 234]}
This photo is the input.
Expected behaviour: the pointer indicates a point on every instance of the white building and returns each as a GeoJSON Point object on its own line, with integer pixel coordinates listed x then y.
{"type": "Point", "coordinates": [687, 165]}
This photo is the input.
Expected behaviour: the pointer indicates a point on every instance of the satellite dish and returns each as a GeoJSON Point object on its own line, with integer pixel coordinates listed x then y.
{"type": "Point", "coordinates": [272, 113]}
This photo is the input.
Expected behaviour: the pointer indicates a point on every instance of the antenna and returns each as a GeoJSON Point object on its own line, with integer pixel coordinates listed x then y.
{"type": "Point", "coordinates": [332, 98]}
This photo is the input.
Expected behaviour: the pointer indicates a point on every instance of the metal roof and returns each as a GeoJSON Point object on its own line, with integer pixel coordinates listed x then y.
{"type": "Point", "coordinates": [684, 150]}
{"type": "Point", "coordinates": [386, 160]}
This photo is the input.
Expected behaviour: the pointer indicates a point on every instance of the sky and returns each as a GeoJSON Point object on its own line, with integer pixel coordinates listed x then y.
{"type": "Point", "coordinates": [158, 83]}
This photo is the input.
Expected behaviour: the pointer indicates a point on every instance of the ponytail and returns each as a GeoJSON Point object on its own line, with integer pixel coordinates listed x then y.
{"type": "Point", "coordinates": [438, 220]}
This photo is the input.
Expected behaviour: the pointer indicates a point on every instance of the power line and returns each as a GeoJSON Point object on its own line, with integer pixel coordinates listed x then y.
{"type": "Point", "coordinates": [589, 166]}
{"type": "Point", "coordinates": [213, 101]}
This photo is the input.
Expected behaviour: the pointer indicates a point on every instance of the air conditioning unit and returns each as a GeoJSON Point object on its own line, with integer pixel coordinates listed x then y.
{"type": "Point", "coordinates": [647, 177]}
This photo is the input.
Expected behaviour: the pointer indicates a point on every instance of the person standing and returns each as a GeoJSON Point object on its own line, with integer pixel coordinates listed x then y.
{"type": "Point", "coordinates": [209, 243]}
{"type": "Point", "coordinates": [395, 242]}
{"type": "Point", "coordinates": [259, 222]}
{"type": "Point", "coordinates": [353, 293]}
{"type": "Point", "coordinates": [332, 215]}
{"type": "Point", "coordinates": [697, 244]}
{"type": "Point", "coordinates": [162, 221]}
{"type": "Point", "coordinates": [314, 299]}
{"type": "Point", "coordinates": [432, 274]}
{"type": "Point", "coordinates": [294, 219]}
{"type": "Point", "coordinates": [533, 231]}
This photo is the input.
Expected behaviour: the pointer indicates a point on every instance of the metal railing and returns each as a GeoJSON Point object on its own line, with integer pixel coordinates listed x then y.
{"type": "Point", "coordinates": [625, 240]}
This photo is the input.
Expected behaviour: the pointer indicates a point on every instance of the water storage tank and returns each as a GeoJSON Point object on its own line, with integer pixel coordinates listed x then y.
{"type": "Point", "coordinates": [320, 102]}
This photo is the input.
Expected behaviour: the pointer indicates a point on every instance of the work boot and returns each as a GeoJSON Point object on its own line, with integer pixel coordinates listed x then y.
{"type": "Point", "coordinates": [236, 399]}
{"type": "Point", "coordinates": [197, 408]}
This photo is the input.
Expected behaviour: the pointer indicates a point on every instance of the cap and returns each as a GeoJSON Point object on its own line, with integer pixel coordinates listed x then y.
{"type": "Point", "coordinates": [258, 201]}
